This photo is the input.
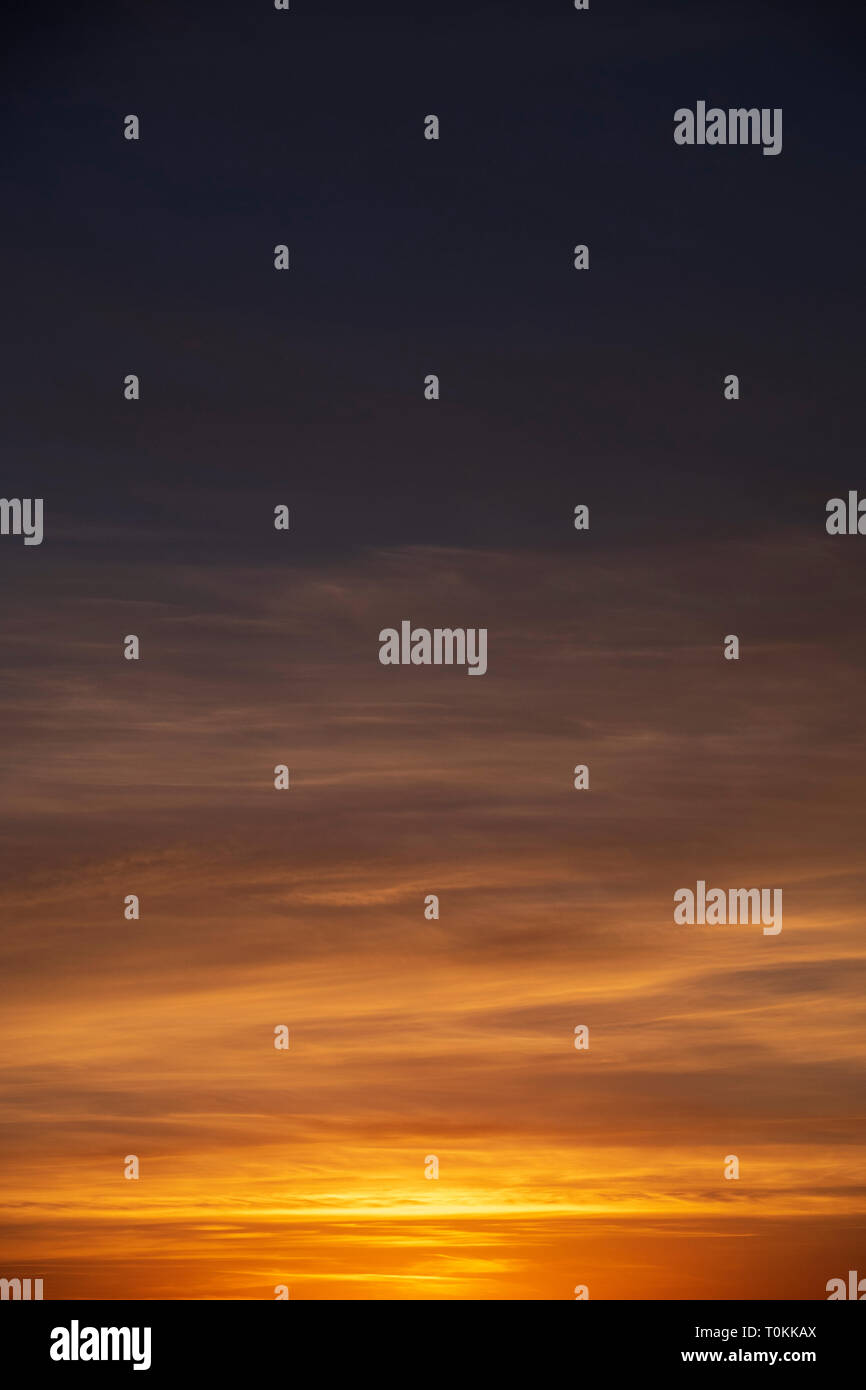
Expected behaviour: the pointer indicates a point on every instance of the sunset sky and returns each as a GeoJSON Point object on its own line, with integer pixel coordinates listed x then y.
{"type": "Point", "coordinates": [412, 1037]}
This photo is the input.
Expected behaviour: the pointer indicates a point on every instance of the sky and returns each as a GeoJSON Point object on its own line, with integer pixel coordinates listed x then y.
{"type": "Point", "coordinates": [411, 1037]}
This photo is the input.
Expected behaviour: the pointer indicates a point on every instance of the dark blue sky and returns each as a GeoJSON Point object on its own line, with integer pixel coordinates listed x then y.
{"type": "Point", "coordinates": [411, 257]}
